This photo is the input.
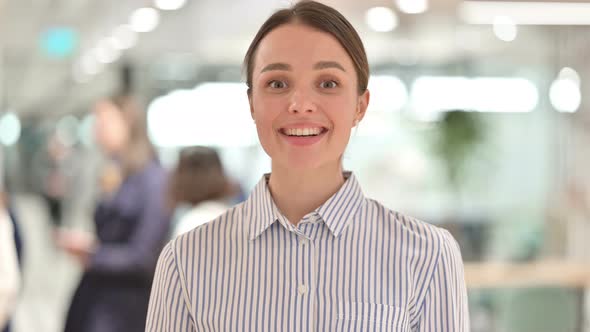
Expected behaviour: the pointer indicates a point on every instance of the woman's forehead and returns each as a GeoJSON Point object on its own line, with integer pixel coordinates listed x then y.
{"type": "Point", "coordinates": [298, 44]}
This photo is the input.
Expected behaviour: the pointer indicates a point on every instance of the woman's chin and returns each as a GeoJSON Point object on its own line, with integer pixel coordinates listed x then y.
{"type": "Point", "coordinates": [307, 164]}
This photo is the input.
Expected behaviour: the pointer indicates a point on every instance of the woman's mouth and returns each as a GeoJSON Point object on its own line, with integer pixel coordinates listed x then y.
{"type": "Point", "coordinates": [303, 132]}
{"type": "Point", "coordinates": [303, 136]}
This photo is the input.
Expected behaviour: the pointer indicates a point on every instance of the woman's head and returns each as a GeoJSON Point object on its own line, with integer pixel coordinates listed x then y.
{"type": "Point", "coordinates": [111, 129]}
{"type": "Point", "coordinates": [198, 177]}
{"type": "Point", "coordinates": [307, 75]}
{"type": "Point", "coordinates": [320, 17]}
{"type": "Point", "coordinates": [121, 131]}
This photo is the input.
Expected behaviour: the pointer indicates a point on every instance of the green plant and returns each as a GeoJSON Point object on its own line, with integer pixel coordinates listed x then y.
{"type": "Point", "coordinates": [458, 134]}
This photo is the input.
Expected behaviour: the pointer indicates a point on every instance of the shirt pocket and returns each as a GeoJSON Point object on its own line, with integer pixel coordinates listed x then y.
{"type": "Point", "coordinates": [364, 316]}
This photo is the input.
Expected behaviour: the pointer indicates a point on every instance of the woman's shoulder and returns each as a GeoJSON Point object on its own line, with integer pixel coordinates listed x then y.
{"type": "Point", "coordinates": [415, 231]}
{"type": "Point", "coordinates": [151, 177]}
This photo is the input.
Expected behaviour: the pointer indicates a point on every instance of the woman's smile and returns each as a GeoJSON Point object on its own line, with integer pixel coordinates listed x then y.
{"type": "Point", "coordinates": [303, 134]}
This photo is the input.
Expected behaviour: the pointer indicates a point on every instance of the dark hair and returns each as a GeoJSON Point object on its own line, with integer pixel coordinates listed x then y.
{"type": "Point", "coordinates": [323, 18]}
{"type": "Point", "coordinates": [139, 150]}
{"type": "Point", "coordinates": [198, 177]}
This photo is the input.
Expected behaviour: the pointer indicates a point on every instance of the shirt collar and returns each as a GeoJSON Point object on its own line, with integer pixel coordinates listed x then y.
{"type": "Point", "coordinates": [337, 212]}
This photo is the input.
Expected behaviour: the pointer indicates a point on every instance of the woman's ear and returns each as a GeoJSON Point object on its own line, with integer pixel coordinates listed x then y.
{"type": "Point", "coordinates": [363, 103]}
{"type": "Point", "coordinates": [249, 92]}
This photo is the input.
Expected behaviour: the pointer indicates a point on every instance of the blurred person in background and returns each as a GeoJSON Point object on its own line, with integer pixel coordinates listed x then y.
{"type": "Point", "coordinates": [11, 247]}
{"type": "Point", "coordinates": [131, 222]}
{"type": "Point", "coordinates": [308, 250]}
{"type": "Point", "coordinates": [53, 164]}
{"type": "Point", "coordinates": [9, 272]}
{"type": "Point", "coordinates": [199, 189]}
{"type": "Point", "coordinates": [9, 269]}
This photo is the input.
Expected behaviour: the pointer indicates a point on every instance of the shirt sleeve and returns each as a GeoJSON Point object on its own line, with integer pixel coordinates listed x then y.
{"type": "Point", "coordinates": [138, 256]}
{"type": "Point", "coordinates": [445, 307]}
{"type": "Point", "coordinates": [169, 308]}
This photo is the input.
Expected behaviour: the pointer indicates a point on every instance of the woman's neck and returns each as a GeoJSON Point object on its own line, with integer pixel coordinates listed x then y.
{"type": "Point", "coordinates": [299, 192]}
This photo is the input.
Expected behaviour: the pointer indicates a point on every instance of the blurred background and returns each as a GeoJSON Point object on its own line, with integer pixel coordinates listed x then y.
{"type": "Point", "coordinates": [479, 122]}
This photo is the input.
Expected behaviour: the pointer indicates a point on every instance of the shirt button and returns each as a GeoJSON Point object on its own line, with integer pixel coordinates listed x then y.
{"type": "Point", "coordinates": [302, 289]}
{"type": "Point", "coordinates": [302, 240]}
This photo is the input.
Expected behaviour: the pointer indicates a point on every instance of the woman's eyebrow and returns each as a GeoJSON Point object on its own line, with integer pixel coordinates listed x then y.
{"type": "Point", "coordinates": [328, 64]}
{"type": "Point", "coordinates": [276, 66]}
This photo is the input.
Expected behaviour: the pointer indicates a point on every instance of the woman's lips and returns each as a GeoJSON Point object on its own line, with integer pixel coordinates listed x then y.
{"type": "Point", "coordinates": [303, 140]}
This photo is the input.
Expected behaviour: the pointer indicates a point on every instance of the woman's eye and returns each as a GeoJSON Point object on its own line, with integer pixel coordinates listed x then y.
{"type": "Point", "coordinates": [328, 84]}
{"type": "Point", "coordinates": [277, 84]}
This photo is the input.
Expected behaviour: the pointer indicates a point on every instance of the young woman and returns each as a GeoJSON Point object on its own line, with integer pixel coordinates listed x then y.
{"type": "Point", "coordinates": [308, 251]}
{"type": "Point", "coordinates": [131, 227]}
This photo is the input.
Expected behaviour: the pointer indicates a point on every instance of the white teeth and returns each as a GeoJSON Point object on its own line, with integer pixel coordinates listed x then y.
{"type": "Point", "coordinates": [303, 131]}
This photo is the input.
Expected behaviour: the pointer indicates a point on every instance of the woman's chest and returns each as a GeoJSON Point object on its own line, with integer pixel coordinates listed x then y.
{"type": "Point", "coordinates": [298, 287]}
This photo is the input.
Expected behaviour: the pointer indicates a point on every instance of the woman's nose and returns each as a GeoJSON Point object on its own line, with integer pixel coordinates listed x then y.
{"type": "Point", "coordinates": [302, 102]}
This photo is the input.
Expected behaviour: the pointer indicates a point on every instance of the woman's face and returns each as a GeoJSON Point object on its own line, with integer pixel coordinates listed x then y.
{"type": "Point", "coordinates": [304, 97]}
{"type": "Point", "coordinates": [111, 130]}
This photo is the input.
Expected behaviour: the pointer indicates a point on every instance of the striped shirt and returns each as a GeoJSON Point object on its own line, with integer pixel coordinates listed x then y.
{"type": "Point", "coordinates": [351, 265]}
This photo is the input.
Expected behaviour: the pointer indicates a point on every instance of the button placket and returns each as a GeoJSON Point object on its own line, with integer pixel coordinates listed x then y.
{"type": "Point", "coordinates": [302, 289]}
{"type": "Point", "coordinates": [303, 241]}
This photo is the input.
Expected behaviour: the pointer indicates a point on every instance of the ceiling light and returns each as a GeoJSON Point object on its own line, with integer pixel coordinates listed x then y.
{"type": "Point", "coordinates": [381, 19]}
{"type": "Point", "coordinates": [570, 74]}
{"type": "Point", "coordinates": [526, 13]}
{"type": "Point", "coordinates": [106, 52]}
{"type": "Point", "coordinates": [144, 19]}
{"type": "Point", "coordinates": [10, 129]}
{"type": "Point", "coordinates": [412, 6]}
{"type": "Point", "coordinates": [504, 28]}
{"type": "Point", "coordinates": [124, 37]}
{"type": "Point", "coordinates": [169, 4]}
{"type": "Point", "coordinates": [565, 95]}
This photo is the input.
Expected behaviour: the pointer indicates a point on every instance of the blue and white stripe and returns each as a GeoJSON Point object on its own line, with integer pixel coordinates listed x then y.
{"type": "Point", "coordinates": [350, 265]}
